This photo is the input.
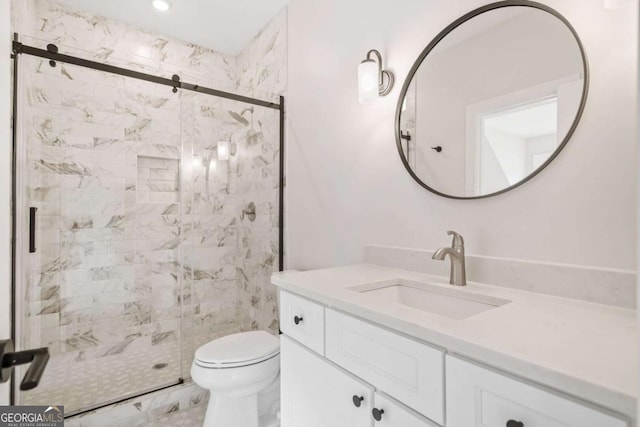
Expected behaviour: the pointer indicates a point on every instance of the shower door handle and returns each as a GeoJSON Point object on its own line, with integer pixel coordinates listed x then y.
{"type": "Point", "coordinates": [38, 358]}
{"type": "Point", "coordinates": [32, 229]}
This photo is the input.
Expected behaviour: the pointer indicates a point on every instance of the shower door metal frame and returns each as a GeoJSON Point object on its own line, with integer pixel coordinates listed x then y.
{"type": "Point", "coordinates": [52, 54]}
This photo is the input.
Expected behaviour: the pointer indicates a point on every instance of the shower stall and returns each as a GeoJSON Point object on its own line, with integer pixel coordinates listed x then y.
{"type": "Point", "coordinates": [148, 221]}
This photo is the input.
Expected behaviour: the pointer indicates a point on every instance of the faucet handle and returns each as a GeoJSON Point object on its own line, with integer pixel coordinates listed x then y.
{"type": "Point", "coordinates": [458, 241]}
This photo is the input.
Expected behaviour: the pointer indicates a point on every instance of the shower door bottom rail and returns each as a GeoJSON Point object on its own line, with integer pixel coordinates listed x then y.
{"type": "Point", "coordinates": [118, 400]}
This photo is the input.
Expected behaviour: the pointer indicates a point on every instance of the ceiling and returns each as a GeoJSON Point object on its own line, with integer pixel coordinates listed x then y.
{"type": "Point", "coordinates": [223, 25]}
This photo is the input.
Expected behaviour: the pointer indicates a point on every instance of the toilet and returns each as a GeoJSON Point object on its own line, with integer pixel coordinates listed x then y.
{"type": "Point", "coordinates": [242, 373]}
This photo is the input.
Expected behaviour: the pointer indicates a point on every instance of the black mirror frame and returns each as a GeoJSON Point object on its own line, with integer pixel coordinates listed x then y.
{"type": "Point", "coordinates": [443, 34]}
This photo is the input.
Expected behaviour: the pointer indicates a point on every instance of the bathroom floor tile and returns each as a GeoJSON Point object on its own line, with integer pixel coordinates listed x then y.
{"type": "Point", "coordinates": [193, 417]}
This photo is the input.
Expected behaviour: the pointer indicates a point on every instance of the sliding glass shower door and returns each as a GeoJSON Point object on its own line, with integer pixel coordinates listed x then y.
{"type": "Point", "coordinates": [148, 223]}
{"type": "Point", "coordinates": [100, 170]}
{"type": "Point", "coordinates": [232, 219]}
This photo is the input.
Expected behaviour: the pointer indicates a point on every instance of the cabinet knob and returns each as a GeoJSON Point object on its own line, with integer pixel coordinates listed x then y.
{"type": "Point", "coordinates": [377, 413]}
{"type": "Point", "coordinates": [513, 423]}
{"type": "Point", "coordinates": [297, 320]}
{"type": "Point", "coordinates": [357, 400]}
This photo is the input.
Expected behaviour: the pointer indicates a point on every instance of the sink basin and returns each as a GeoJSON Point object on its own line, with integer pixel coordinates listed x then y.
{"type": "Point", "coordinates": [452, 303]}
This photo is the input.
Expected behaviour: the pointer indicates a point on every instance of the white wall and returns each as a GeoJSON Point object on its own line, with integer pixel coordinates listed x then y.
{"type": "Point", "coordinates": [638, 207]}
{"type": "Point", "coordinates": [346, 185]}
{"type": "Point", "coordinates": [5, 179]}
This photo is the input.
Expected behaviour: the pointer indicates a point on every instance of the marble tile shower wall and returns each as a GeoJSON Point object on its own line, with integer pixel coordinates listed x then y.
{"type": "Point", "coordinates": [106, 40]}
{"type": "Point", "coordinates": [261, 65]}
{"type": "Point", "coordinates": [140, 232]}
{"type": "Point", "coordinates": [258, 249]}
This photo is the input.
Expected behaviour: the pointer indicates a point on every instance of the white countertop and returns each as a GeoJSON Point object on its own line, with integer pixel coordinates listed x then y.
{"type": "Point", "coordinates": [579, 348]}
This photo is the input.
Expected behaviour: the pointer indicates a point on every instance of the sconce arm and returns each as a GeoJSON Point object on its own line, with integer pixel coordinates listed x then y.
{"type": "Point", "coordinates": [379, 56]}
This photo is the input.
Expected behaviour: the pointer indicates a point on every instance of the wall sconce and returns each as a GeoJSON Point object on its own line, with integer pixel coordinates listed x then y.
{"type": "Point", "coordinates": [226, 149]}
{"type": "Point", "coordinates": [373, 81]}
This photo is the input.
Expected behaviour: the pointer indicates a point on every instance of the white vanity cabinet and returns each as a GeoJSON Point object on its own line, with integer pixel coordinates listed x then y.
{"type": "Point", "coordinates": [477, 396]}
{"type": "Point", "coordinates": [318, 394]}
{"type": "Point", "coordinates": [340, 371]}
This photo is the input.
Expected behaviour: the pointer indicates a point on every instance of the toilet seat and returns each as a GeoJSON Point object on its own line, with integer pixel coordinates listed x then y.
{"type": "Point", "coordinates": [242, 349]}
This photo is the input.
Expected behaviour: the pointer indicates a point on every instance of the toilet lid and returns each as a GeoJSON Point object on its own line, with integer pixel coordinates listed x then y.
{"type": "Point", "coordinates": [240, 349]}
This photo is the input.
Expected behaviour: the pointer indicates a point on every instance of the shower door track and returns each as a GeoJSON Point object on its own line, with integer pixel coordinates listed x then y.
{"type": "Point", "coordinates": [53, 55]}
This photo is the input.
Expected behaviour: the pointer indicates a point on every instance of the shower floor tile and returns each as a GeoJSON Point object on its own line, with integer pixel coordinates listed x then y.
{"type": "Point", "coordinates": [80, 385]}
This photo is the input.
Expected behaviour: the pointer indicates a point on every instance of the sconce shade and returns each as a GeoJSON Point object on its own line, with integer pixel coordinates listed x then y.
{"type": "Point", "coordinates": [223, 150]}
{"type": "Point", "coordinates": [368, 84]}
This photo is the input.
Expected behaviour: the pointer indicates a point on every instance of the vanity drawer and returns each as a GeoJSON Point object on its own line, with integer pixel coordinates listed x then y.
{"type": "Point", "coordinates": [406, 370]}
{"type": "Point", "coordinates": [396, 415]}
{"type": "Point", "coordinates": [480, 397]}
{"type": "Point", "coordinates": [302, 320]}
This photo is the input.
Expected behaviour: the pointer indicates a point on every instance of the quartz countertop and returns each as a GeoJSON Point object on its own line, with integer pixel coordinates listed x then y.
{"type": "Point", "coordinates": [583, 349]}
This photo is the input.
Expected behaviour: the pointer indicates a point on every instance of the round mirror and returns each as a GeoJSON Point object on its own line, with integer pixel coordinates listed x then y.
{"type": "Point", "coordinates": [491, 100]}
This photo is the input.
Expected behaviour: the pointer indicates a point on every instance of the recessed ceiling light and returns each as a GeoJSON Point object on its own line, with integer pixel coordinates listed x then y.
{"type": "Point", "coordinates": [161, 5]}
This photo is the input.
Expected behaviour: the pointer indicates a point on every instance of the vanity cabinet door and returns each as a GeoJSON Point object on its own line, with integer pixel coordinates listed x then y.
{"type": "Point", "coordinates": [316, 393]}
{"type": "Point", "coordinates": [302, 320]}
{"type": "Point", "coordinates": [393, 414]}
{"type": "Point", "coordinates": [478, 397]}
{"type": "Point", "coordinates": [409, 371]}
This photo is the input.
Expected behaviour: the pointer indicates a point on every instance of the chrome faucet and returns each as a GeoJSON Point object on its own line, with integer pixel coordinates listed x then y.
{"type": "Point", "coordinates": [458, 276]}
